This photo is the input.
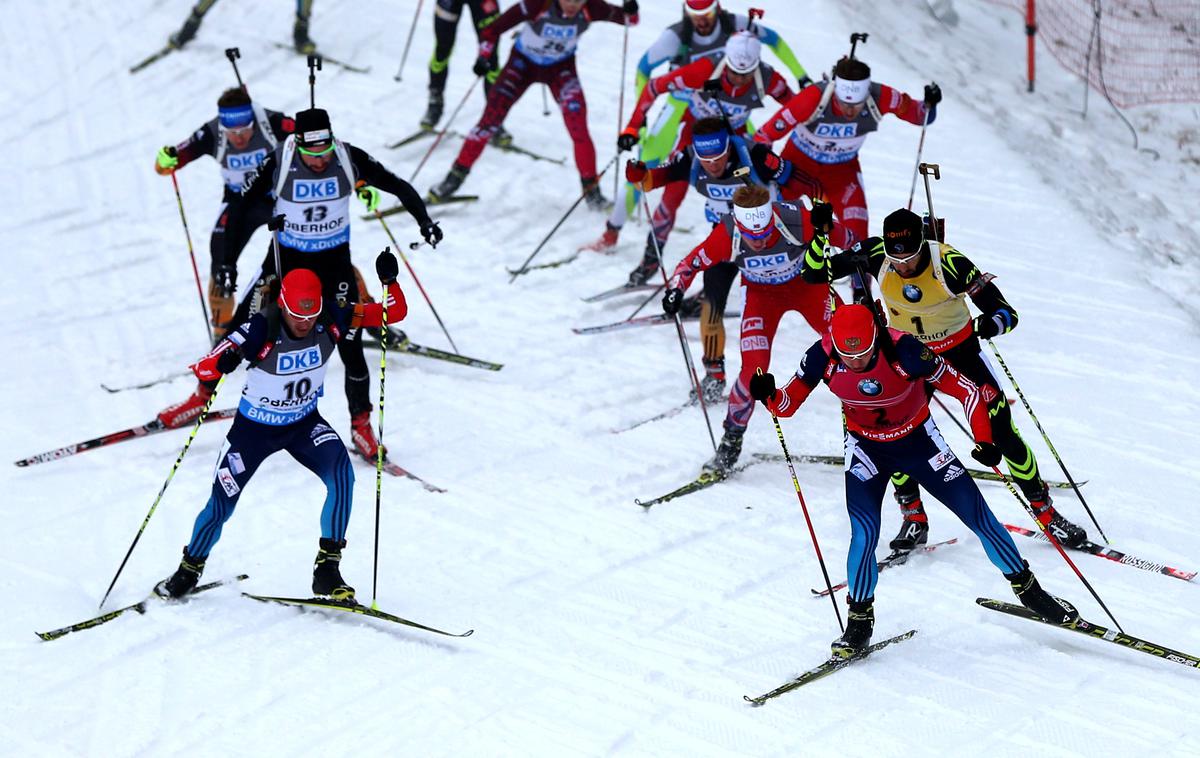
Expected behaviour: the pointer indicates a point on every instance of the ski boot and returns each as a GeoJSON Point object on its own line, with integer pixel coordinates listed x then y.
{"type": "Point", "coordinates": [300, 39]}
{"type": "Point", "coordinates": [596, 200]}
{"type": "Point", "coordinates": [501, 138]}
{"type": "Point", "coordinates": [327, 576]}
{"type": "Point", "coordinates": [606, 242]}
{"type": "Point", "coordinates": [394, 338]}
{"type": "Point", "coordinates": [433, 111]}
{"type": "Point", "coordinates": [649, 265]}
{"type": "Point", "coordinates": [860, 623]}
{"type": "Point", "coordinates": [914, 530]}
{"type": "Point", "coordinates": [183, 581]}
{"type": "Point", "coordinates": [1067, 533]}
{"type": "Point", "coordinates": [722, 463]}
{"type": "Point", "coordinates": [185, 412]}
{"type": "Point", "coordinates": [1032, 596]}
{"type": "Point", "coordinates": [691, 306]}
{"type": "Point", "coordinates": [448, 186]}
{"type": "Point", "coordinates": [186, 32]}
{"type": "Point", "coordinates": [713, 383]}
{"type": "Point", "coordinates": [362, 436]}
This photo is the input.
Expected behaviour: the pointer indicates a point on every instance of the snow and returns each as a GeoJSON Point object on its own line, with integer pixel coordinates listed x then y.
{"type": "Point", "coordinates": [600, 629]}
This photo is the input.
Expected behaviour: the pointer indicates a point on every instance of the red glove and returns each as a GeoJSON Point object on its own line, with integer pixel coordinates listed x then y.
{"type": "Point", "coordinates": [223, 359]}
{"type": "Point", "coordinates": [635, 172]}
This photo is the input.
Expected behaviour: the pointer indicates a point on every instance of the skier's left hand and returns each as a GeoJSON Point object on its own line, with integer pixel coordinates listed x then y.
{"type": "Point", "coordinates": [431, 232]}
{"type": "Point", "coordinates": [627, 139]}
{"type": "Point", "coordinates": [370, 197]}
{"type": "Point", "coordinates": [762, 387]}
{"type": "Point", "coordinates": [821, 217]}
{"type": "Point", "coordinates": [387, 267]}
{"type": "Point", "coordinates": [933, 94]}
{"type": "Point", "coordinates": [672, 301]}
{"type": "Point", "coordinates": [630, 9]}
{"type": "Point", "coordinates": [482, 66]}
{"type": "Point", "coordinates": [986, 453]}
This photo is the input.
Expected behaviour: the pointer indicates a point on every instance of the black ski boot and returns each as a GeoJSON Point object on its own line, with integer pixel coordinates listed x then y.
{"type": "Point", "coordinates": [327, 578]}
{"type": "Point", "coordinates": [648, 267]}
{"type": "Point", "coordinates": [1032, 596]}
{"type": "Point", "coordinates": [713, 383]}
{"type": "Point", "coordinates": [596, 201]}
{"type": "Point", "coordinates": [691, 306]}
{"type": "Point", "coordinates": [914, 530]}
{"type": "Point", "coordinates": [727, 454]}
{"type": "Point", "coordinates": [183, 581]}
{"type": "Point", "coordinates": [860, 623]}
{"type": "Point", "coordinates": [448, 186]}
{"type": "Point", "coordinates": [1067, 533]}
{"type": "Point", "coordinates": [300, 39]}
{"type": "Point", "coordinates": [433, 111]}
{"type": "Point", "coordinates": [501, 138]}
{"type": "Point", "coordinates": [186, 32]}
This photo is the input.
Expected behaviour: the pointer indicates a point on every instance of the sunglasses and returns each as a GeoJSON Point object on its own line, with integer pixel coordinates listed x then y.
{"type": "Point", "coordinates": [315, 153]}
{"type": "Point", "coordinates": [238, 131]}
{"type": "Point", "coordinates": [297, 316]}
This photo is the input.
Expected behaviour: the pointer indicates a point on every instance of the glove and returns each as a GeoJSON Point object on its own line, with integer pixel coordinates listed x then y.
{"type": "Point", "coordinates": [712, 88]}
{"type": "Point", "coordinates": [482, 66]}
{"type": "Point", "coordinates": [166, 161]}
{"type": "Point", "coordinates": [805, 81]}
{"type": "Point", "coordinates": [225, 279]}
{"type": "Point", "coordinates": [672, 301]}
{"type": "Point", "coordinates": [431, 232]}
{"type": "Point", "coordinates": [635, 172]}
{"type": "Point", "coordinates": [212, 366]}
{"type": "Point", "coordinates": [627, 139]}
{"type": "Point", "coordinates": [630, 7]}
{"type": "Point", "coordinates": [986, 453]}
{"type": "Point", "coordinates": [762, 387]}
{"type": "Point", "coordinates": [933, 94]}
{"type": "Point", "coordinates": [858, 256]}
{"type": "Point", "coordinates": [387, 267]}
{"type": "Point", "coordinates": [370, 196]}
{"type": "Point", "coordinates": [821, 217]}
{"type": "Point", "coordinates": [229, 360]}
{"type": "Point", "coordinates": [776, 167]}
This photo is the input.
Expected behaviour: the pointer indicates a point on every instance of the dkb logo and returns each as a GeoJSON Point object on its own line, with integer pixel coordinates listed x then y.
{"type": "Point", "coordinates": [246, 160]}
{"type": "Point", "coordinates": [836, 131]}
{"type": "Point", "coordinates": [298, 360]}
{"type": "Point", "coordinates": [315, 189]}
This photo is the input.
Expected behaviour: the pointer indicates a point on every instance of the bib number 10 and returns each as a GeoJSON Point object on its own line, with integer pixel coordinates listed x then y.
{"type": "Point", "coordinates": [298, 389]}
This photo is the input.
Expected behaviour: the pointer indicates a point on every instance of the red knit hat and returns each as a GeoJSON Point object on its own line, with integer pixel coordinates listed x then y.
{"type": "Point", "coordinates": [853, 330]}
{"type": "Point", "coordinates": [301, 293]}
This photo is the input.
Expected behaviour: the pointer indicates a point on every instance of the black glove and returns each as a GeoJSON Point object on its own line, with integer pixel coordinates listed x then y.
{"type": "Point", "coordinates": [672, 301]}
{"type": "Point", "coordinates": [986, 453]}
{"type": "Point", "coordinates": [821, 217]}
{"type": "Point", "coordinates": [225, 279]}
{"type": "Point", "coordinates": [387, 267]}
{"type": "Point", "coordinates": [804, 81]}
{"type": "Point", "coordinates": [986, 328]}
{"type": "Point", "coordinates": [630, 7]}
{"type": "Point", "coordinates": [762, 387]}
{"type": "Point", "coordinates": [431, 232]}
{"type": "Point", "coordinates": [858, 256]}
{"type": "Point", "coordinates": [229, 360]}
{"type": "Point", "coordinates": [712, 87]}
{"type": "Point", "coordinates": [276, 222]}
{"type": "Point", "coordinates": [763, 158]}
{"type": "Point", "coordinates": [482, 66]}
{"type": "Point", "coordinates": [933, 94]}
{"type": "Point", "coordinates": [627, 139]}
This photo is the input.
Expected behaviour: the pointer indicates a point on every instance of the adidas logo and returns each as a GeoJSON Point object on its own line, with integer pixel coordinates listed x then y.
{"type": "Point", "coordinates": [953, 473]}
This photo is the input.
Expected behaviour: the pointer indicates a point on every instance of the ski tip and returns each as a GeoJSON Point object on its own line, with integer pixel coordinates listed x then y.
{"type": "Point", "coordinates": [753, 701]}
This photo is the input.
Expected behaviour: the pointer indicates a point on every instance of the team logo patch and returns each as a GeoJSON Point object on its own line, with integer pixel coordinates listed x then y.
{"type": "Point", "coordinates": [756, 342]}
{"type": "Point", "coordinates": [939, 461]}
{"type": "Point", "coordinates": [870, 387]}
{"type": "Point", "coordinates": [912, 293]}
{"type": "Point", "coordinates": [298, 360]}
{"type": "Point", "coordinates": [228, 483]}
{"type": "Point", "coordinates": [235, 463]}
{"type": "Point", "coordinates": [860, 472]}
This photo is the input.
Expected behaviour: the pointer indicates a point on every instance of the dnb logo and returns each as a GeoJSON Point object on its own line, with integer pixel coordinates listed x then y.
{"type": "Point", "coordinates": [870, 387]}
{"type": "Point", "coordinates": [298, 361]}
{"type": "Point", "coordinates": [245, 161]}
{"type": "Point", "coordinates": [836, 131]}
{"type": "Point", "coordinates": [912, 293]}
{"type": "Point", "coordinates": [315, 189]}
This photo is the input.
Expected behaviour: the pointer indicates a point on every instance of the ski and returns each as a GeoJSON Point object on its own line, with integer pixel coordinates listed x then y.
{"type": "Point", "coordinates": [399, 471]}
{"type": "Point", "coordinates": [669, 413]}
{"type": "Point", "coordinates": [153, 427]}
{"type": "Point", "coordinates": [1113, 555]}
{"type": "Point", "coordinates": [704, 481]}
{"type": "Point", "coordinates": [837, 460]}
{"type": "Point", "coordinates": [654, 319]}
{"type": "Point", "coordinates": [897, 558]}
{"type": "Point", "coordinates": [618, 291]}
{"type": "Point", "coordinates": [516, 149]}
{"type": "Point", "coordinates": [153, 58]}
{"type": "Point", "coordinates": [145, 385]}
{"type": "Point", "coordinates": [428, 202]}
{"type": "Point", "coordinates": [351, 607]}
{"type": "Point", "coordinates": [1095, 630]}
{"type": "Point", "coordinates": [825, 669]}
{"type": "Point", "coordinates": [139, 607]}
{"type": "Point", "coordinates": [398, 340]}
{"type": "Point", "coordinates": [539, 266]}
{"type": "Point", "coordinates": [326, 59]}
{"type": "Point", "coordinates": [419, 134]}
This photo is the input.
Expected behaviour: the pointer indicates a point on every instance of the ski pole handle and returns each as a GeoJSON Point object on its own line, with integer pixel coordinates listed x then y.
{"type": "Point", "coordinates": [232, 53]}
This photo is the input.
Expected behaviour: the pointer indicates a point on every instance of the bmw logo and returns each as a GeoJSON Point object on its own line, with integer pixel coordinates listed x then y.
{"type": "Point", "coordinates": [870, 387]}
{"type": "Point", "coordinates": [912, 293]}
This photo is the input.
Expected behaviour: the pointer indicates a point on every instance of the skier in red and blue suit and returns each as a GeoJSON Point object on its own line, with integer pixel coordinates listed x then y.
{"type": "Point", "coordinates": [879, 374]}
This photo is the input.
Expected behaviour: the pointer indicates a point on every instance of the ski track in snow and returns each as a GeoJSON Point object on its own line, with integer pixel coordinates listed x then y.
{"type": "Point", "coordinates": [601, 629]}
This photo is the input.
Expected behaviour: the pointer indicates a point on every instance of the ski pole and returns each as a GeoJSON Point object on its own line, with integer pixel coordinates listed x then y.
{"type": "Point", "coordinates": [787, 456]}
{"type": "Point", "coordinates": [1045, 531]}
{"type": "Point", "coordinates": [232, 53]}
{"type": "Point", "coordinates": [417, 281]}
{"type": "Point", "coordinates": [687, 352]}
{"type": "Point", "coordinates": [927, 170]}
{"type": "Point", "coordinates": [438, 139]}
{"type": "Point", "coordinates": [524, 266]}
{"type": "Point", "coordinates": [545, 102]}
{"type": "Point", "coordinates": [645, 302]}
{"type": "Point", "coordinates": [916, 167]}
{"type": "Point", "coordinates": [170, 476]}
{"type": "Point", "coordinates": [379, 448]}
{"type": "Point", "coordinates": [191, 252]}
{"type": "Point", "coordinates": [621, 102]}
{"type": "Point", "coordinates": [404, 57]}
{"type": "Point", "coordinates": [1046, 437]}
{"type": "Point", "coordinates": [314, 65]}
